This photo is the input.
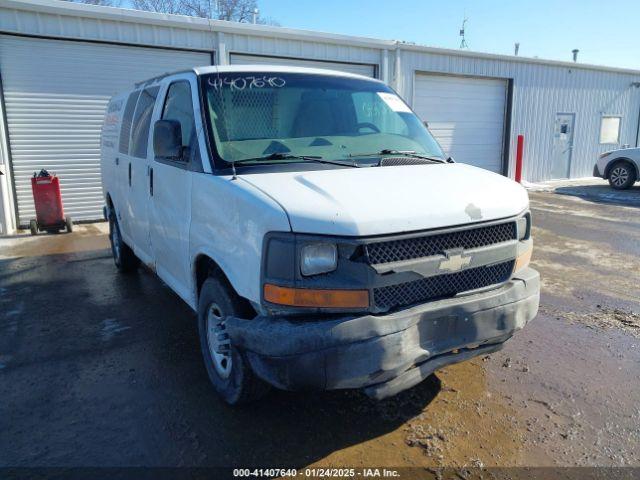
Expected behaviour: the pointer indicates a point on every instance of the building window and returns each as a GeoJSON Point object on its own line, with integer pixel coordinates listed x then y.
{"type": "Point", "coordinates": [610, 129]}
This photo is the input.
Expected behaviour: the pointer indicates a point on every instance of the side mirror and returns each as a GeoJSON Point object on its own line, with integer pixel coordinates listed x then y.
{"type": "Point", "coordinates": [167, 139]}
{"type": "Point", "coordinates": [426, 124]}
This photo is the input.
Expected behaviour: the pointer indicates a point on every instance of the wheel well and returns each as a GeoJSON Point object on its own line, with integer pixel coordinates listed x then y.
{"type": "Point", "coordinates": [110, 207]}
{"type": "Point", "coordinates": [206, 267]}
{"type": "Point", "coordinates": [620, 160]}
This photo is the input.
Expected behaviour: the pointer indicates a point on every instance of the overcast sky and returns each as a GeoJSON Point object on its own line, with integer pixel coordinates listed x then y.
{"type": "Point", "coordinates": [606, 32]}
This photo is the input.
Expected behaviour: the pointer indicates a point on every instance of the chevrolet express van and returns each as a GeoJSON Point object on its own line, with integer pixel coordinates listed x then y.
{"type": "Point", "coordinates": [315, 226]}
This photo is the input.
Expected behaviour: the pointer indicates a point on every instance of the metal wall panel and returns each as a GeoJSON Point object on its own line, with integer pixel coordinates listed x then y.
{"type": "Point", "coordinates": [73, 22]}
{"type": "Point", "coordinates": [313, 50]}
{"type": "Point", "coordinates": [539, 93]}
{"type": "Point", "coordinates": [541, 88]}
{"type": "Point", "coordinates": [366, 70]}
{"type": "Point", "coordinates": [55, 96]}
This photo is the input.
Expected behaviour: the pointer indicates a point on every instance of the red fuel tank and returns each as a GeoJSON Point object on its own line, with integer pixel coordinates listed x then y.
{"type": "Point", "coordinates": [48, 202]}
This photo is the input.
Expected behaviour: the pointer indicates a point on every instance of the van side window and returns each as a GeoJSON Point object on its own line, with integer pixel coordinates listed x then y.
{"type": "Point", "coordinates": [178, 106]}
{"type": "Point", "coordinates": [142, 121]}
{"type": "Point", "coordinates": [125, 130]}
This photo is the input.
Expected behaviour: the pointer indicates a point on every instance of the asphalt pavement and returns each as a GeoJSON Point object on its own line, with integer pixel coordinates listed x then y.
{"type": "Point", "coordinates": [101, 369]}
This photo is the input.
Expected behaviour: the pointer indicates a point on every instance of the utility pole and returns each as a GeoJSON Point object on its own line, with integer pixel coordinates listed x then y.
{"type": "Point", "coordinates": [463, 42]}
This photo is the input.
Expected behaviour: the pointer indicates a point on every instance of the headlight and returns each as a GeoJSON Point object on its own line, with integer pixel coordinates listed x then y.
{"type": "Point", "coordinates": [318, 258]}
{"type": "Point", "coordinates": [525, 244]}
{"type": "Point", "coordinates": [602, 155]}
{"type": "Point", "coordinates": [524, 226]}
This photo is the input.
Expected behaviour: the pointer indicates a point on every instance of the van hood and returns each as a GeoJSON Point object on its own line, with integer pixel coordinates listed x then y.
{"type": "Point", "coordinates": [383, 200]}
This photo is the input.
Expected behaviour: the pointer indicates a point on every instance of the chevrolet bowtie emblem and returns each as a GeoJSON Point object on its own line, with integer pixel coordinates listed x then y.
{"type": "Point", "coordinates": [454, 262]}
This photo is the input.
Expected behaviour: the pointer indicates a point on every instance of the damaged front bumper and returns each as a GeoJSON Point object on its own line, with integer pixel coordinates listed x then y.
{"type": "Point", "coordinates": [385, 354]}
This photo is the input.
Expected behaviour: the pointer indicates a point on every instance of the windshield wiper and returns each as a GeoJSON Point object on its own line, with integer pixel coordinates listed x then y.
{"type": "Point", "coordinates": [290, 156]}
{"type": "Point", "coordinates": [408, 153]}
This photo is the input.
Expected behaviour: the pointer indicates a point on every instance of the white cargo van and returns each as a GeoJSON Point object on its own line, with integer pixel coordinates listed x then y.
{"type": "Point", "coordinates": [314, 224]}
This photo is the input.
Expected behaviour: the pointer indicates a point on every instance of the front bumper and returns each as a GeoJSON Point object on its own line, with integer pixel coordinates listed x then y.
{"type": "Point", "coordinates": [385, 354]}
{"type": "Point", "coordinates": [596, 171]}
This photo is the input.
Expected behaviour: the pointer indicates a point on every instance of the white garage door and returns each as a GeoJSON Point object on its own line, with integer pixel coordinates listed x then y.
{"type": "Point", "coordinates": [366, 70]}
{"type": "Point", "coordinates": [466, 115]}
{"type": "Point", "coordinates": [55, 93]}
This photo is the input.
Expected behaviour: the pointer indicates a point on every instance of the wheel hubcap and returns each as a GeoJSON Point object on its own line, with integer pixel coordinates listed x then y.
{"type": "Point", "coordinates": [218, 341]}
{"type": "Point", "coordinates": [619, 176]}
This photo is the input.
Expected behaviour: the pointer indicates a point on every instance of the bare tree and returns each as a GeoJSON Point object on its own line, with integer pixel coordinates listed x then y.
{"type": "Point", "coordinates": [268, 21]}
{"type": "Point", "coordinates": [236, 10]}
{"type": "Point", "coordinates": [104, 3]}
{"type": "Point", "coordinates": [230, 10]}
{"type": "Point", "coordinates": [161, 6]}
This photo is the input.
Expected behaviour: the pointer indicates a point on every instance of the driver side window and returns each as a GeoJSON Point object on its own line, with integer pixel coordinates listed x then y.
{"type": "Point", "coordinates": [179, 107]}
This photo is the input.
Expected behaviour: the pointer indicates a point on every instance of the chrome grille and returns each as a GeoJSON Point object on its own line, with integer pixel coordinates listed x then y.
{"type": "Point", "coordinates": [441, 286]}
{"type": "Point", "coordinates": [418, 247]}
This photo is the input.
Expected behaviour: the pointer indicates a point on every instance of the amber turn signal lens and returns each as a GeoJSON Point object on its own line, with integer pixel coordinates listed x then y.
{"type": "Point", "coordinates": [523, 260]}
{"type": "Point", "coordinates": [307, 297]}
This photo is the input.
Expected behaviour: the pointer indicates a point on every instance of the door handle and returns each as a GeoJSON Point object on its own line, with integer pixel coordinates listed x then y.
{"type": "Point", "coordinates": [151, 181]}
{"type": "Point", "coordinates": [117, 161]}
{"type": "Point", "coordinates": [129, 174]}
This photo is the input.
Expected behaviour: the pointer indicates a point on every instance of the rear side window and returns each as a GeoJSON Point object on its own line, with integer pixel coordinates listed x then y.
{"type": "Point", "coordinates": [179, 106]}
{"type": "Point", "coordinates": [125, 130]}
{"type": "Point", "coordinates": [142, 122]}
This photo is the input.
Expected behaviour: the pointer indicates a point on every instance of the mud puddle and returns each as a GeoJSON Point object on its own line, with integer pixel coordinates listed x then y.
{"type": "Point", "coordinates": [464, 425]}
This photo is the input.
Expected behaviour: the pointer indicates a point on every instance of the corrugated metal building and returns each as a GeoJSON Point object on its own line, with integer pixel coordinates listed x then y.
{"type": "Point", "coordinates": [60, 62]}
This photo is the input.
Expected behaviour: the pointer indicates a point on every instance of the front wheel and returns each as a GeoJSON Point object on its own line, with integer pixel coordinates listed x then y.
{"type": "Point", "coordinates": [622, 176]}
{"type": "Point", "coordinates": [124, 258]}
{"type": "Point", "coordinates": [69, 223]}
{"type": "Point", "coordinates": [33, 227]}
{"type": "Point", "coordinates": [227, 367]}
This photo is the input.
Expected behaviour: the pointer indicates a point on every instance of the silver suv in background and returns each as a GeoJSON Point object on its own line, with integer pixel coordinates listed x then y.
{"type": "Point", "coordinates": [620, 167]}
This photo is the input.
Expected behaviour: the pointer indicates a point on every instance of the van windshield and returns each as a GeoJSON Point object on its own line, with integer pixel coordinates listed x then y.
{"type": "Point", "coordinates": [255, 115]}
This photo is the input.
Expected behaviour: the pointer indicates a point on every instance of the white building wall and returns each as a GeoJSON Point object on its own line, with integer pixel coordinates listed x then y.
{"type": "Point", "coordinates": [7, 217]}
{"type": "Point", "coordinates": [540, 88]}
{"type": "Point", "coordinates": [539, 92]}
{"type": "Point", "coordinates": [294, 48]}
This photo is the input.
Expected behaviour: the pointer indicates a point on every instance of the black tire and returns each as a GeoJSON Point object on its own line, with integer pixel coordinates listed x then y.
{"type": "Point", "coordinates": [69, 223]}
{"type": "Point", "coordinates": [239, 384]}
{"type": "Point", "coordinates": [33, 227]}
{"type": "Point", "coordinates": [621, 175]}
{"type": "Point", "coordinates": [124, 258]}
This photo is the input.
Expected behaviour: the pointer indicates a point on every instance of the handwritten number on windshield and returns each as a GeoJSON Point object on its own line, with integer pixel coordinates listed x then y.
{"type": "Point", "coordinates": [242, 83]}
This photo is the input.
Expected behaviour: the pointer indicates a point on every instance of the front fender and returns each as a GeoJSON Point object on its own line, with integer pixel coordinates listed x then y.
{"type": "Point", "coordinates": [611, 162]}
{"type": "Point", "coordinates": [229, 221]}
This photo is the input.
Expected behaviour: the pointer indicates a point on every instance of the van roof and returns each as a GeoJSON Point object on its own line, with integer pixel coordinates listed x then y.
{"type": "Point", "coordinates": [275, 68]}
{"type": "Point", "coordinates": [255, 68]}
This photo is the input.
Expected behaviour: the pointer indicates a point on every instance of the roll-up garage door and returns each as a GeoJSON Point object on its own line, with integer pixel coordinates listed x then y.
{"type": "Point", "coordinates": [55, 94]}
{"type": "Point", "coordinates": [466, 115]}
{"type": "Point", "coordinates": [360, 69]}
